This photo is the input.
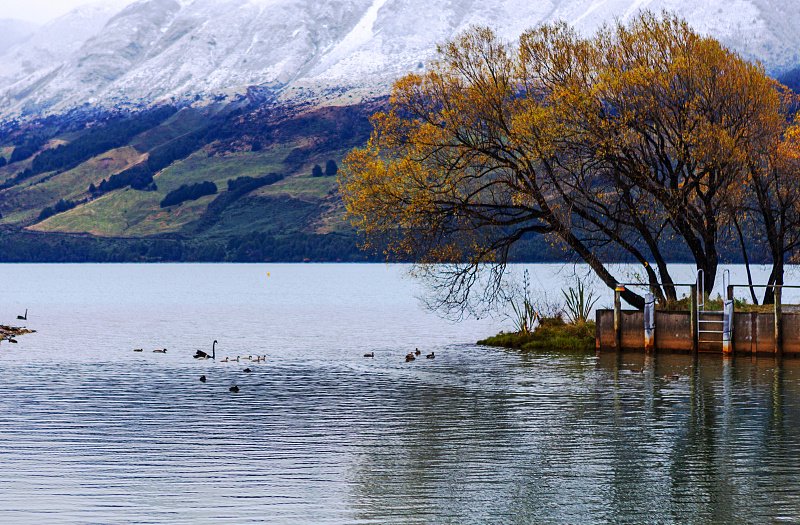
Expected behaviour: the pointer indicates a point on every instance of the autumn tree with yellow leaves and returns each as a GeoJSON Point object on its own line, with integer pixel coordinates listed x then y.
{"type": "Point", "coordinates": [641, 136]}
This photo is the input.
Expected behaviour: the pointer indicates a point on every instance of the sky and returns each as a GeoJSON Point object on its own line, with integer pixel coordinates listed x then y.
{"type": "Point", "coordinates": [38, 11]}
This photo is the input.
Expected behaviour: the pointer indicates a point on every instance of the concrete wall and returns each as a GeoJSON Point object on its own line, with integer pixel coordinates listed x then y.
{"type": "Point", "coordinates": [753, 333]}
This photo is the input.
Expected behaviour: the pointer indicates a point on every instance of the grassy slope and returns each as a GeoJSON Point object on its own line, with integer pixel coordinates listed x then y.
{"type": "Point", "coordinates": [298, 203]}
{"type": "Point", "coordinates": [130, 213]}
{"type": "Point", "coordinates": [30, 197]}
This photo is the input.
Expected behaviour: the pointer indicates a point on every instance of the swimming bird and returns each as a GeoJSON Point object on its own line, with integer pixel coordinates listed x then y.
{"type": "Point", "coordinates": [162, 351]}
{"type": "Point", "coordinates": [430, 356]}
{"type": "Point", "coordinates": [234, 389]}
{"type": "Point", "coordinates": [246, 370]}
{"type": "Point", "coordinates": [138, 349]}
{"type": "Point", "coordinates": [410, 357]}
{"type": "Point", "coordinates": [203, 355]}
{"type": "Point", "coordinates": [12, 341]}
{"type": "Point", "coordinates": [202, 379]}
{"type": "Point", "coordinates": [23, 317]}
{"type": "Point", "coordinates": [416, 351]}
{"type": "Point", "coordinates": [371, 354]}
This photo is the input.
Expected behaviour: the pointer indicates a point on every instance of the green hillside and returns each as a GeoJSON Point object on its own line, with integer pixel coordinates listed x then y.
{"type": "Point", "coordinates": [94, 189]}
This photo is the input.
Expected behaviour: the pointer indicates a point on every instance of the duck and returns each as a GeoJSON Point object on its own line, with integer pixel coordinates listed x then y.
{"type": "Point", "coordinates": [202, 379]}
{"type": "Point", "coordinates": [371, 354]}
{"type": "Point", "coordinates": [234, 389]}
{"type": "Point", "coordinates": [246, 370]}
{"type": "Point", "coordinates": [203, 355]}
{"type": "Point", "coordinates": [23, 317]}
{"type": "Point", "coordinates": [162, 351]}
{"type": "Point", "coordinates": [138, 349]}
{"type": "Point", "coordinates": [416, 351]}
{"type": "Point", "coordinates": [410, 357]}
{"type": "Point", "coordinates": [430, 356]}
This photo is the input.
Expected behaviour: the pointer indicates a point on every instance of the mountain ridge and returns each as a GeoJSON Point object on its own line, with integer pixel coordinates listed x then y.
{"type": "Point", "coordinates": [117, 55]}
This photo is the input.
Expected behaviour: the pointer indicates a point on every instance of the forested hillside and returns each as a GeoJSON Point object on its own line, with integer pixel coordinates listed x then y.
{"type": "Point", "coordinates": [227, 182]}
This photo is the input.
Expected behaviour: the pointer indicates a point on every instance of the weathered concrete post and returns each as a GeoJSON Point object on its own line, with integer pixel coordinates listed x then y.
{"type": "Point", "coordinates": [649, 322]}
{"type": "Point", "coordinates": [778, 323]}
{"type": "Point", "coordinates": [693, 317]}
{"type": "Point", "coordinates": [618, 316]}
{"type": "Point", "coordinates": [727, 327]}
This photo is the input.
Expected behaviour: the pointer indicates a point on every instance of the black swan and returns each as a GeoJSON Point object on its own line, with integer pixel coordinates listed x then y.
{"type": "Point", "coordinates": [202, 355]}
{"type": "Point", "coordinates": [202, 379]}
{"type": "Point", "coordinates": [247, 370]}
{"type": "Point", "coordinates": [23, 317]}
{"type": "Point", "coordinates": [371, 354]}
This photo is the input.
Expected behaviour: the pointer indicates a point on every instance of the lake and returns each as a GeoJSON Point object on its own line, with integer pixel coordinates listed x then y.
{"type": "Point", "coordinates": [92, 432]}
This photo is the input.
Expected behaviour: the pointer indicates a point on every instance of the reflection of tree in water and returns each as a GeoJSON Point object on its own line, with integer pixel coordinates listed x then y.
{"type": "Point", "coordinates": [538, 439]}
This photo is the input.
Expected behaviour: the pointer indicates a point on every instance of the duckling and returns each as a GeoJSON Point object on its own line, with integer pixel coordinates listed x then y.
{"type": "Point", "coordinates": [223, 360]}
{"type": "Point", "coordinates": [410, 357]}
{"type": "Point", "coordinates": [162, 351]}
{"type": "Point", "coordinates": [202, 379]}
{"type": "Point", "coordinates": [430, 356]}
{"type": "Point", "coordinates": [246, 370]}
{"type": "Point", "coordinates": [138, 349]}
{"type": "Point", "coordinates": [371, 354]}
{"type": "Point", "coordinates": [417, 351]}
{"type": "Point", "coordinates": [234, 389]}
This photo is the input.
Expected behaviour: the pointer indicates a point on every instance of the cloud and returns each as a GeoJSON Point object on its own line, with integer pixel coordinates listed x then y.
{"type": "Point", "coordinates": [39, 11]}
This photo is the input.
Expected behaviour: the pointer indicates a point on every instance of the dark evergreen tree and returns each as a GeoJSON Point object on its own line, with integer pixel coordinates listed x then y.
{"type": "Point", "coordinates": [316, 171]}
{"type": "Point", "coordinates": [331, 169]}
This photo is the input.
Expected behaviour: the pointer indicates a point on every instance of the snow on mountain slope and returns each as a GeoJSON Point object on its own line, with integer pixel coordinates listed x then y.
{"type": "Point", "coordinates": [173, 49]}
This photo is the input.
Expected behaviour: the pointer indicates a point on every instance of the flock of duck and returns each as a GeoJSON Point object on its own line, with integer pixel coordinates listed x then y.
{"type": "Point", "coordinates": [199, 354]}
{"type": "Point", "coordinates": [411, 356]}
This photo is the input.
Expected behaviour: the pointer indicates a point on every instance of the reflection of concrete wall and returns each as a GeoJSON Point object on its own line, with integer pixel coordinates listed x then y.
{"type": "Point", "coordinates": [753, 333]}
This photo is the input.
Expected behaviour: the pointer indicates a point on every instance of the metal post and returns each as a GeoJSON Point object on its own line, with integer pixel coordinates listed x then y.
{"type": "Point", "coordinates": [649, 322]}
{"type": "Point", "coordinates": [618, 316]}
{"type": "Point", "coordinates": [693, 316]}
{"type": "Point", "coordinates": [778, 322]}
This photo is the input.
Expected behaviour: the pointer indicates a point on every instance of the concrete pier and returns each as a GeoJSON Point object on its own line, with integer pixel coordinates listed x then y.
{"type": "Point", "coordinates": [752, 333]}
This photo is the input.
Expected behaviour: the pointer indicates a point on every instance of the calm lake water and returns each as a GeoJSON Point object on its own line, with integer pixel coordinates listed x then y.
{"type": "Point", "coordinates": [91, 432]}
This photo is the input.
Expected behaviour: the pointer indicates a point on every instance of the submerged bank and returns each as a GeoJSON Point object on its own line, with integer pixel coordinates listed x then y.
{"type": "Point", "coordinates": [9, 332]}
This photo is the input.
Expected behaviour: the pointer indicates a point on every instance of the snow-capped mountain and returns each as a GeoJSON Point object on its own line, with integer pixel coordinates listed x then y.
{"type": "Point", "coordinates": [112, 53]}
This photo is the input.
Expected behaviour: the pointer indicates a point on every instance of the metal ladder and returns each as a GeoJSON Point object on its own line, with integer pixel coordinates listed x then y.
{"type": "Point", "coordinates": [710, 323]}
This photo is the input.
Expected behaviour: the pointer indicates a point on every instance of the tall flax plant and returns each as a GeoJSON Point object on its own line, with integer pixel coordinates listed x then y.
{"type": "Point", "coordinates": [579, 303]}
{"type": "Point", "coordinates": [525, 314]}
